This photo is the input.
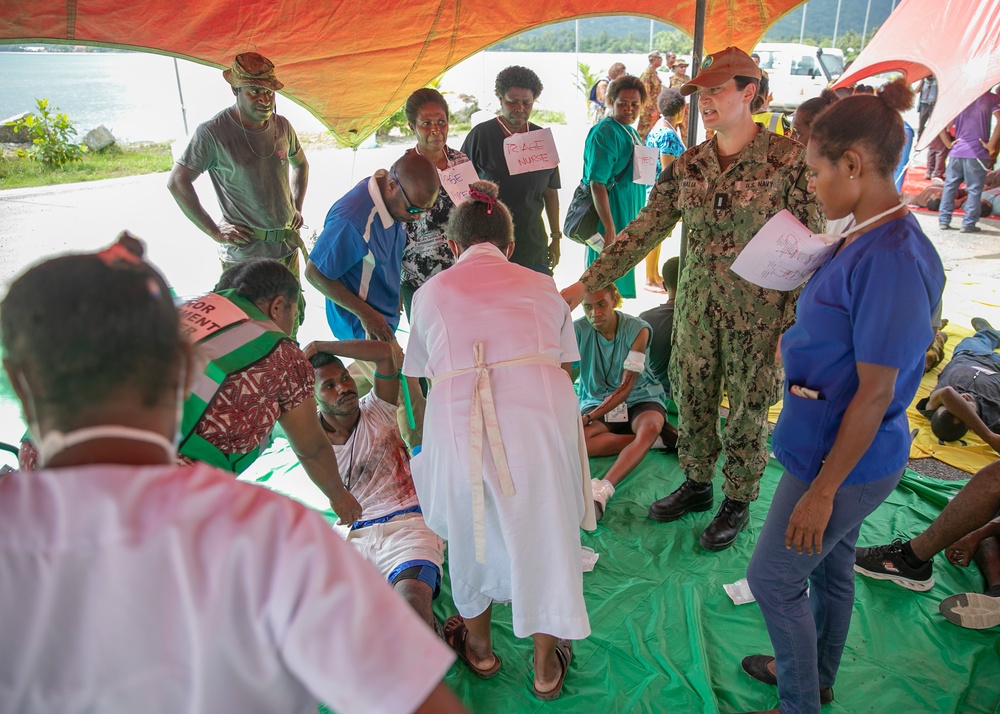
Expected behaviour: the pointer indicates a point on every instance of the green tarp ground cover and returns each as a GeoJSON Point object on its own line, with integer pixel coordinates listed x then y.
{"type": "Point", "coordinates": [667, 638]}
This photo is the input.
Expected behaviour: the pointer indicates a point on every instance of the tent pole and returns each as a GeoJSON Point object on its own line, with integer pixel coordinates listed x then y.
{"type": "Point", "coordinates": [802, 28]}
{"type": "Point", "coordinates": [864, 33]}
{"type": "Point", "coordinates": [577, 23]}
{"type": "Point", "coordinates": [836, 25]}
{"type": "Point", "coordinates": [177, 73]}
{"type": "Point", "coordinates": [692, 137]}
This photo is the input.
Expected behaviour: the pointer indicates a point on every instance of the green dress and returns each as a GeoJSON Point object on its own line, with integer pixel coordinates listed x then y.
{"type": "Point", "coordinates": [608, 151]}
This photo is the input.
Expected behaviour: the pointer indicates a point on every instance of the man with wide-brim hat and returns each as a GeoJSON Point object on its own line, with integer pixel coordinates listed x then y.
{"type": "Point", "coordinates": [725, 190]}
{"type": "Point", "coordinates": [680, 76]}
{"type": "Point", "coordinates": [258, 169]}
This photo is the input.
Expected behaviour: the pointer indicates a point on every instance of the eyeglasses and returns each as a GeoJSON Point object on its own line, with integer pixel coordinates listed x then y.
{"type": "Point", "coordinates": [410, 208]}
{"type": "Point", "coordinates": [519, 102]}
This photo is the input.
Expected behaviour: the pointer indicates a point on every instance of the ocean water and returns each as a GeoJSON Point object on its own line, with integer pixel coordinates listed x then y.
{"type": "Point", "coordinates": [135, 94]}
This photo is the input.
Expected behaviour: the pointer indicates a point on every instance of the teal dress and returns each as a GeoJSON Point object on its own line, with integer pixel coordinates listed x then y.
{"type": "Point", "coordinates": [608, 151]}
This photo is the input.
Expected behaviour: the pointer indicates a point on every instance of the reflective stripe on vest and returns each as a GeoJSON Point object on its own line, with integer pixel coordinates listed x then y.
{"type": "Point", "coordinates": [225, 352]}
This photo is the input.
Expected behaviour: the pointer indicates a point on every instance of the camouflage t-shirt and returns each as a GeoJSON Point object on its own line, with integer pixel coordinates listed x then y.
{"type": "Point", "coordinates": [722, 210]}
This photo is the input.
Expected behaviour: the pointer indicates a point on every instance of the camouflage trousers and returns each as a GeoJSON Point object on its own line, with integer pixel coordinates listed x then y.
{"type": "Point", "coordinates": [705, 358]}
{"type": "Point", "coordinates": [291, 262]}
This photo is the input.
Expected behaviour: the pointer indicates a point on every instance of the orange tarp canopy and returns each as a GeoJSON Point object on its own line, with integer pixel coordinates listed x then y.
{"type": "Point", "coordinates": [958, 41]}
{"type": "Point", "coordinates": [352, 63]}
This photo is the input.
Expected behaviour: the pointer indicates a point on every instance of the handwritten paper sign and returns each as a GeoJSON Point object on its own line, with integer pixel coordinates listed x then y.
{"type": "Point", "coordinates": [644, 164]}
{"type": "Point", "coordinates": [782, 254]}
{"type": "Point", "coordinates": [456, 180]}
{"type": "Point", "coordinates": [207, 314]}
{"type": "Point", "coordinates": [532, 151]}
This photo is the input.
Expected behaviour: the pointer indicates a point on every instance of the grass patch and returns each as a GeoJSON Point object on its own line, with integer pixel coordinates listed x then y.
{"type": "Point", "coordinates": [113, 162]}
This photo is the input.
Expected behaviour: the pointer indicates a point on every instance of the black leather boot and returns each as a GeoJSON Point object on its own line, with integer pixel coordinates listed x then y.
{"type": "Point", "coordinates": [721, 533]}
{"type": "Point", "coordinates": [690, 496]}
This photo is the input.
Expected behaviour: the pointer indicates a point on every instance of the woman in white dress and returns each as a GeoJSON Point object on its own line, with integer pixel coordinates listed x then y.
{"type": "Point", "coordinates": [507, 488]}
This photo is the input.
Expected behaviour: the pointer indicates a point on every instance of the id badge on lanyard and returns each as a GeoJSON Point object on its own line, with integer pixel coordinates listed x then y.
{"type": "Point", "coordinates": [618, 414]}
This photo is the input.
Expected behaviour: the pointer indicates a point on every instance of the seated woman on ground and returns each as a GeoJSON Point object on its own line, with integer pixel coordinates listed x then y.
{"type": "Point", "coordinates": [621, 400]}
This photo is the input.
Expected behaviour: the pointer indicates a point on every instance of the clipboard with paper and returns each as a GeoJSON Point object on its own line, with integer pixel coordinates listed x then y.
{"type": "Point", "coordinates": [783, 253]}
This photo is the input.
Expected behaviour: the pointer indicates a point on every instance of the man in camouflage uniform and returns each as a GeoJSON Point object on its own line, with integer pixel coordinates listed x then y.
{"type": "Point", "coordinates": [677, 80]}
{"type": "Point", "coordinates": [726, 329]}
{"type": "Point", "coordinates": [650, 111]}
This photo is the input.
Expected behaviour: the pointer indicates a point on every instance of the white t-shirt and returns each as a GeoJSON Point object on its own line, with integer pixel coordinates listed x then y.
{"type": "Point", "coordinates": [177, 589]}
{"type": "Point", "coordinates": [374, 463]}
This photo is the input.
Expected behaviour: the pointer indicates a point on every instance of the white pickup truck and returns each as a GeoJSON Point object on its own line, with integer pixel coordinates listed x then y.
{"type": "Point", "coordinates": [798, 72]}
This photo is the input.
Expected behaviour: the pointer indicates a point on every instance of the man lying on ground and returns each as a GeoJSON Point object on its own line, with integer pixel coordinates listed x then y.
{"type": "Point", "coordinates": [375, 468]}
{"type": "Point", "coordinates": [967, 529]}
{"type": "Point", "coordinates": [621, 400]}
{"type": "Point", "coordinates": [967, 393]}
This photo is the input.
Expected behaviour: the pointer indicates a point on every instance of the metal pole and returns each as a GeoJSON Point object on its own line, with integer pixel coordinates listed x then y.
{"type": "Point", "coordinates": [692, 137]}
{"type": "Point", "coordinates": [177, 73]}
{"type": "Point", "coordinates": [864, 33]}
{"type": "Point", "coordinates": [802, 28]}
{"type": "Point", "coordinates": [651, 35]}
{"type": "Point", "coordinates": [836, 24]}
{"type": "Point", "coordinates": [577, 23]}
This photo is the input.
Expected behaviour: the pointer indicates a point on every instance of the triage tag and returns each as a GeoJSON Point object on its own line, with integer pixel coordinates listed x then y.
{"type": "Point", "coordinates": [618, 414]}
{"type": "Point", "coordinates": [531, 151]}
{"type": "Point", "coordinates": [456, 180]}
{"type": "Point", "coordinates": [207, 314]}
{"type": "Point", "coordinates": [644, 162]}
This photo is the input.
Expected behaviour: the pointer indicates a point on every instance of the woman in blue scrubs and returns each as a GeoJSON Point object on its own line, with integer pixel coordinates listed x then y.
{"type": "Point", "coordinates": [853, 360]}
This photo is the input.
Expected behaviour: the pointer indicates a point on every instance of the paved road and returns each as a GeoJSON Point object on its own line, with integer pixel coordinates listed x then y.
{"type": "Point", "coordinates": [38, 222]}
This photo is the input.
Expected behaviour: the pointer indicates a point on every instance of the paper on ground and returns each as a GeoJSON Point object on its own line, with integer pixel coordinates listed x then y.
{"type": "Point", "coordinates": [782, 254]}
{"type": "Point", "coordinates": [739, 592]}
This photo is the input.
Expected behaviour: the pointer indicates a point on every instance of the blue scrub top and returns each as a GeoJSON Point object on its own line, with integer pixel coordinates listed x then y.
{"type": "Point", "coordinates": [871, 302]}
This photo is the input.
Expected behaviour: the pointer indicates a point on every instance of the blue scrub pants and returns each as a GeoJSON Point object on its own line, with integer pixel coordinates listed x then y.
{"type": "Point", "coordinates": [808, 630]}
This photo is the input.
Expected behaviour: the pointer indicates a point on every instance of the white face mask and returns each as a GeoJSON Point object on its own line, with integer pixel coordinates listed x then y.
{"type": "Point", "coordinates": [831, 238]}
{"type": "Point", "coordinates": [54, 442]}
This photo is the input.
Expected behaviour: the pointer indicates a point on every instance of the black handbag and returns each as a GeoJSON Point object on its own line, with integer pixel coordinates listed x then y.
{"type": "Point", "coordinates": [580, 224]}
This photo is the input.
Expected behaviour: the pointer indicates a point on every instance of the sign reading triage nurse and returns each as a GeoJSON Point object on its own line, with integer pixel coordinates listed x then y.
{"type": "Point", "coordinates": [532, 151]}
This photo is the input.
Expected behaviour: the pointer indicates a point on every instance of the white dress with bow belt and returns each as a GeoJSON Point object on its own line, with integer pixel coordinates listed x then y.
{"type": "Point", "coordinates": [503, 474]}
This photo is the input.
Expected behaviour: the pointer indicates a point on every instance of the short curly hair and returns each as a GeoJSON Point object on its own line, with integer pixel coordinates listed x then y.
{"type": "Point", "coordinates": [625, 82]}
{"type": "Point", "coordinates": [670, 102]}
{"type": "Point", "coordinates": [517, 76]}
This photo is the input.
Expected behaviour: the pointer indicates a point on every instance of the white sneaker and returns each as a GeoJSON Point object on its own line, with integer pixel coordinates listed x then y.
{"type": "Point", "coordinates": [971, 610]}
{"type": "Point", "coordinates": [603, 491]}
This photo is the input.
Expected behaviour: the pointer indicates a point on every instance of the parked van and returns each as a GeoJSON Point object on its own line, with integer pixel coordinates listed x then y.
{"type": "Point", "coordinates": [798, 72]}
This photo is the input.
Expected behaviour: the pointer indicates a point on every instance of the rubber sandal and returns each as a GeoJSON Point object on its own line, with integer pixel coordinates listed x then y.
{"type": "Point", "coordinates": [564, 654]}
{"type": "Point", "coordinates": [455, 634]}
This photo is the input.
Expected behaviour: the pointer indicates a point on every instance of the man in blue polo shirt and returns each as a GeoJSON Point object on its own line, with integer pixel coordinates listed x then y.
{"type": "Point", "coordinates": [357, 258]}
